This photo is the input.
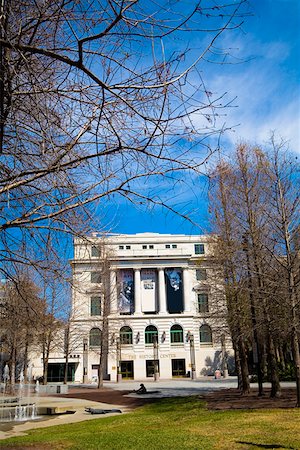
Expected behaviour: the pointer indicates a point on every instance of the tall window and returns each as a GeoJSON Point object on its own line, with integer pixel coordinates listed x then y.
{"type": "Point", "coordinates": [176, 334]}
{"type": "Point", "coordinates": [203, 303]}
{"type": "Point", "coordinates": [95, 251]}
{"type": "Point", "coordinates": [95, 337]}
{"type": "Point", "coordinates": [95, 277]}
{"type": "Point", "coordinates": [151, 334]}
{"type": "Point", "coordinates": [95, 306]}
{"type": "Point", "coordinates": [199, 249]}
{"type": "Point", "coordinates": [126, 335]}
{"type": "Point", "coordinates": [201, 274]}
{"type": "Point", "coordinates": [205, 334]}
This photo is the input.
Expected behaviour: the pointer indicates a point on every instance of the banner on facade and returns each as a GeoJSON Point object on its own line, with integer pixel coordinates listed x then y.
{"type": "Point", "coordinates": [126, 291]}
{"type": "Point", "coordinates": [174, 290]}
{"type": "Point", "coordinates": [148, 284]}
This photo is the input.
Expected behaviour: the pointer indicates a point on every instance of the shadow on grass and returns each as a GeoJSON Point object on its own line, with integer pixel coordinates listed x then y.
{"type": "Point", "coordinates": [265, 445]}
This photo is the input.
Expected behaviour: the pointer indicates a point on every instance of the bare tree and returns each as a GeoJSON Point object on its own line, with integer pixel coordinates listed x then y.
{"type": "Point", "coordinates": [95, 101]}
{"type": "Point", "coordinates": [51, 325]}
{"type": "Point", "coordinates": [283, 171]}
{"type": "Point", "coordinates": [226, 252]}
{"type": "Point", "coordinates": [20, 315]}
{"type": "Point", "coordinates": [249, 244]}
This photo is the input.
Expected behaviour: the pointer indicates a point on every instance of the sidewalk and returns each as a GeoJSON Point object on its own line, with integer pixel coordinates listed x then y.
{"type": "Point", "coordinates": [179, 388]}
{"type": "Point", "coordinates": [10, 429]}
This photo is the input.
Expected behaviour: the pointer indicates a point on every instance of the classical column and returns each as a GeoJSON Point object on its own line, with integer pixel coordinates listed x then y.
{"type": "Point", "coordinates": [186, 290]}
{"type": "Point", "coordinates": [137, 292]}
{"type": "Point", "coordinates": [113, 292]}
{"type": "Point", "coordinates": [162, 291]}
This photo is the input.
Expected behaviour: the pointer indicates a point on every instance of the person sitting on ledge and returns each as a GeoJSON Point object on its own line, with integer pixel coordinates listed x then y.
{"type": "Point", "coordinates": [141, 390]}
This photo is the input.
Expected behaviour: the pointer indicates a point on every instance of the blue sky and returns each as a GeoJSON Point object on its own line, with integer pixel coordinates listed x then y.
{"type": "Point", "coordinates": [266, 86]}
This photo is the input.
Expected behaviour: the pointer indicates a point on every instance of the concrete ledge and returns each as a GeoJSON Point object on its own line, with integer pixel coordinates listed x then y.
{"type": "Point", "coordinates": [53, 389]}
{"type": "Point", "coordinates": [55, 410]}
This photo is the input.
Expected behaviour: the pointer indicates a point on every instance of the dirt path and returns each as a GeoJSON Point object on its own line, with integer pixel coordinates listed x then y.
{"type": "Point", "coordinates": [232, 399]}
{"type": "Point", "coordinates": [217, 400]}
{"type": "Point", "coordinates": [107, 395]}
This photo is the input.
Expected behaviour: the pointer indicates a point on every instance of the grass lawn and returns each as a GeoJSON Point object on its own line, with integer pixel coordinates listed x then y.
{"type": "Point", "coordinates": [181, 423]}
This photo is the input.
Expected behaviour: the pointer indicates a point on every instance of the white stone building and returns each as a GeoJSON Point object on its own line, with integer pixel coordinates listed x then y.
{"type": "Point", "coordinates": [166, 307]}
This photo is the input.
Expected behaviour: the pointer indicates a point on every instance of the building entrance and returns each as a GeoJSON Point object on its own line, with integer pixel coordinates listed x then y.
{"type": "Point", "coordinates": [127, 369]}
{"type": "Point", "coordinates": [178, 368]}
{"type": "Point", "coordinates": [150, 363]}
{"type": "Point", "coordinates": [56, 372]}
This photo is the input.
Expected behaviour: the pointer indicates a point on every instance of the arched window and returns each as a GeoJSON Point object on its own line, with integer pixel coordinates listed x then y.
{"type": "Point", "coordinates": [126, 335]}
{"type": "Point", "coordinates": [151, 334]}
{"type": "Point", "coordinates": [176, 334]}
{"type": "Point", "coordinates": [95, 337]}
{"type": "Point", "coordinates": [205, 334]}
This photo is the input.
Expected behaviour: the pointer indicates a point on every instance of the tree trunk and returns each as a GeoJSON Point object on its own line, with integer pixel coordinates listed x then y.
{"type": "Point", "coordinates": [25, 364]}
{"type": "Point", "coordinates": [45, 370]}
{"type": "Point", "coordinates": [273, 368]}
{"type": "Point", "coordinates": [256, 342]}
{"type": "Point", "coordinates": [66, 369]}
{"type": "Point", "coordinates": [281, 357]}
{"type": "Point", "coordinates": [237, 365]}
{"type": "Point", "coordinates": [103, 352]}
{"type": "Point", "coordinates": [296, 357]}
{"type": "Point", "coordinates": [245, 387]}
{"type": "Point", "coordinates": [12, 368]}
{"type": "Point", "coordinates": [46, 354]}
{"type": "Point", "coordinates": [67, 350]}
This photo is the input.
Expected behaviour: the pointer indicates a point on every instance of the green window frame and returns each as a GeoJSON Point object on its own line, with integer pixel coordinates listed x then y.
{"type": "Point", "coordinates": [150, 334]}
{"type": "Point", "coordinates": [95, 277]}
{"type": "Point", "coordinates": [95, 251]}
{"type": "Point", "coordinates": [95, 306]}
{"type": "Point", "coordinates": [205, 334]}
{"type": "Point", "coordinates": [176, 333]}
{"type": "Point", "coordinates": [201, 274]}
{"type": "Point", "coordinates": [199, 249]}
{"type": "Point", "coordinates": [126, 336]}
{"type": "Point", "coordinates": [203, 302]}
{"type": "Point", "coordinates": [95, 337]}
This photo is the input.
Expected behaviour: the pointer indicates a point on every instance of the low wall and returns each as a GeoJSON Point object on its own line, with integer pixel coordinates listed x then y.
{"type": "Point", "coordinates": [52, 389]}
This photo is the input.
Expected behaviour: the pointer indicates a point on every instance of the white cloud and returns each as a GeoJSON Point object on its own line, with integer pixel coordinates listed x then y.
{"type": "Point", "coordinates": [267, 94]}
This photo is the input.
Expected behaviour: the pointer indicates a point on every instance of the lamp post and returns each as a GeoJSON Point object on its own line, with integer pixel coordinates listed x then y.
{"type": "Point", "coordinates": [192, 355]}
{"type": "Point", "coordinates": [85, 361]}
{"type": "Point", "coordinates": [155, 357]}
{"type": "Point", "coordinates": [119, 374]}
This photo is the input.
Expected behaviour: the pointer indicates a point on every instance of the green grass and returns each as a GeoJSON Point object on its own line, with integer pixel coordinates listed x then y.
{"type": "Point", "coordinates": [171, 424]}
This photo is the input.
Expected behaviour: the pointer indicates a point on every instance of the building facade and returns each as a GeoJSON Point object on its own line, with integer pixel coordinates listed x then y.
{"type": "Point", "coordinates": [157, 301]}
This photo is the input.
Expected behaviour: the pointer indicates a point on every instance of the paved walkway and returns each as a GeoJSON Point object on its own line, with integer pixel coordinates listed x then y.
{"type": "Point", "coordinates": [176, 388]}
{"type": "Point", "coordinates": [181, 387]}
{"type": "Point", "coordinates": [10, 429]}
